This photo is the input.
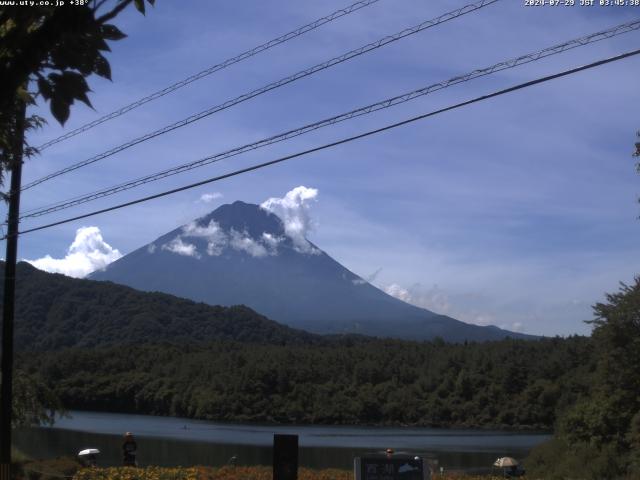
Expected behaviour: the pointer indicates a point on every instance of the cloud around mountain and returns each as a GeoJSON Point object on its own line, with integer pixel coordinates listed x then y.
{"type": "Point", "coordinates": [293, 210]}
{"type": "Point", "coordinates": [87, 253]}
{"type": "Point", "coordinates": [217, 240]}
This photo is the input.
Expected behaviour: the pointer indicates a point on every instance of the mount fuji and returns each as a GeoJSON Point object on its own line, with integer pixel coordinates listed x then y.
{"type": "Point", "coordinates": [244, 254]}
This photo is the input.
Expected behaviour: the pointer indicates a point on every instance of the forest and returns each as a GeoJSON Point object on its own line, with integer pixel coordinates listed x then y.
{"type": "Point", "coordinates": [101, 346]}
{"type": "Point", "coordinates": [513, 383]}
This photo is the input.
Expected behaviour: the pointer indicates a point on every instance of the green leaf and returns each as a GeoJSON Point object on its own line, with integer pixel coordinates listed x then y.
{"type": "Point", "coordinates": [34, 122]}
{"type": "Point", "coordinates": [60, 110]}
{"type": "Point", "coordinates": [77, 87]}
{"type": "Point", "coordinates": [100, 44]}
{"type": "Point", "coordinates": [86, 60]}
{"type": "Point", "coordinates": [82, 96]}
{"type": "Point", "coordinates": [24, 96]}
{"type": "Point", "coordinates": [139, 4]}
{"type": "Point", "coordinates": [111, 32]}
{"type": "Point", "coordinates": [71, 54]}
{"type": "Point", "coordinates": [70, 86]}
{"type": "Point", "coordinates": [102, 67]}
{"type": "Point", "coordinates": [45, 88]}
{"type": "Point", "coordinates": [60, 57]}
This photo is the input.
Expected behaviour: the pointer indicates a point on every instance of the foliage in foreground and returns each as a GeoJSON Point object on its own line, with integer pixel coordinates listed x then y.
{"type": "Point", "coordinates": [33, 402]}
{"type": "Point", "coordinates": [51, 50]}
{"type": "Point", "coordinates": [51, 469]}
{"type": "Point", "coordinates": [558, 460]}
{"type": "Point", "coordinates": [17, 456]}
{"type": "Point", "coordinates": [599, 435]}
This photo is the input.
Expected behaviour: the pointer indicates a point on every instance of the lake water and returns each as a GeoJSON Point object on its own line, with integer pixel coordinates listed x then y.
{"type": "Point", "coordinates": [172, 441]}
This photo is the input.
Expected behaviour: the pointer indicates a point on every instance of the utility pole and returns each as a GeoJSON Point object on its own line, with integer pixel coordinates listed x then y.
{"type": "Point", "coordinates": [6, 390]}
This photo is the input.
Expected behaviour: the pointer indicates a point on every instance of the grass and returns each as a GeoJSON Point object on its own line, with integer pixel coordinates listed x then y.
{"type": "Point", "coordinates": [57, 468]}
{"type": "Point", "coordinates": [17, 456]}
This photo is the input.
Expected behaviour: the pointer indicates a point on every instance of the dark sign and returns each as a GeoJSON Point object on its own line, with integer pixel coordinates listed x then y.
{"type": "Point", "coordinates": [285, 457]}
{"type": "Point", "coordinates": [395, 467]}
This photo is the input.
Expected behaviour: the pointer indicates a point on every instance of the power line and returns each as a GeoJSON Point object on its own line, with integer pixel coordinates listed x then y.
{"type": "Point", "coordinates": [387, 103]}
{"type": "Point", "coordinates": [215, 68]}
{"type": "Point", "coordinates": [271, 86]}
{"type": "Point", "coordinates": [339, 142]}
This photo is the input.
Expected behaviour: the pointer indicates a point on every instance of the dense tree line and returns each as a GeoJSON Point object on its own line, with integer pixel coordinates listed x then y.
{"type": "Point", "coordinates": [512, 383]}
{"type": "Point", "coordinates": [598, 436]}
{"type": "Point", "coordinates": [54, 311]}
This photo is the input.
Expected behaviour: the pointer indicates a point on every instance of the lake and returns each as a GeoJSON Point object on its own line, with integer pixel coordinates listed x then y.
{"type": "Point", "coordinates": [171, 441]}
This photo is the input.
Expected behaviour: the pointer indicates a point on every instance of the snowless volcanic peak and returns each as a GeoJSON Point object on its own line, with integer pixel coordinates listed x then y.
{"type": "Point", "coordinates": [246, 254]}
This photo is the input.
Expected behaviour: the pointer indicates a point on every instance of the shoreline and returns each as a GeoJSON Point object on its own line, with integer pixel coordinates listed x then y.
{"type": "Point", "coordinates": [495, 428]}
{"type": "Point", "coordinates": [176, 441]}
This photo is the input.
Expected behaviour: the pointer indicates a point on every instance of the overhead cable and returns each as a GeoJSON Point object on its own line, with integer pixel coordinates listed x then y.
{"type": "Point", "coordinates": [271, 86]}
{"type": "Point", "coordinates": [336, 143]}
{"type": "Point", "coordinates": [215, 68]}
{"type": "Point", "coordinates": [387, 103]}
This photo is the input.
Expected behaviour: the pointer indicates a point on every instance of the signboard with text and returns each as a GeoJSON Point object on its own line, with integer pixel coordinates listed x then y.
{"type": "Point", "coordinates": [395, 467]}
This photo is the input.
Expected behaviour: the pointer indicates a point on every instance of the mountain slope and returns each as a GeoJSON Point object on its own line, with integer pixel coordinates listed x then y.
{"type": "Point", "coordinates": [54, 311]}
{"type": "Point", "coordinates": [242, 254]}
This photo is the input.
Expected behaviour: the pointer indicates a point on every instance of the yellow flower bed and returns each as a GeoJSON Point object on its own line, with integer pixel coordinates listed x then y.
{"type": "Point", "coordinates": [132, 473]}
{"type": "Point", "coordinates": [203, 473]}
{"type": "Point", "coordinates": [227, 473]}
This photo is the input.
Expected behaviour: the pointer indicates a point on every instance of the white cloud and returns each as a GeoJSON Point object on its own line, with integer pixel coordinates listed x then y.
{"type": "Point", "coordinates": [243, 242]}
{"type": "Point", "coordinates": [210, 197]}
{"type": "Point", "coordinates": [217, 240]}
{"type": "Point", "coordinates": [293, 210]}
{"type": "Point", "coordinates": [192, 229]}
{"type": "Point", "coordinates": [397, 291]}
{"type": "Point", "coordinates": [434, 299]}
{"type": "Point", "coordinates": [212, 233]}
{"type": "Point", "coordinates": [470, 308]}
{"type": "Point", "coordinates": [514, 327]}
{"type": "Point", "coordinates": [151, 248]}
{"type": "Point", "coordinates": [474, 308]}
{"type": "Point", "coordinates": [369, 279]}
{"type": "Point", "coordinates": [483, 320]}
{"type": "Point", "coordinates": [181, 248]}
{"type": "Point", "coordinates": [272, 242]}
{"type": "Point", "coordinates": [87, 253]}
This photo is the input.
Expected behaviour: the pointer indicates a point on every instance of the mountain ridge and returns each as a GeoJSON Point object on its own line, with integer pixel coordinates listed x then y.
{"type": "Point", "coordinates": [54, 311]}
{"type": "Point", "coordinates": [241, 253]}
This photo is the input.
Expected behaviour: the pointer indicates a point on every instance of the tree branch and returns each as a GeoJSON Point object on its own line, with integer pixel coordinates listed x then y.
{"type": "Point", "coordinates": [97, 5]}
{"type": "Point", "coordinates": [115, 12]}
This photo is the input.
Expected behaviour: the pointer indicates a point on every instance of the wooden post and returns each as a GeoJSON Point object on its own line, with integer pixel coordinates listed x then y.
{"type": "Point", "coordinates": [6, 368]}
{"type": "Point", "coordinates": [285, 457]}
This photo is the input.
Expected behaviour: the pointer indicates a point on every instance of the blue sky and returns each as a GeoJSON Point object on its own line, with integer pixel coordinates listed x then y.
{"type": "Point", "coordinates": [520, 211]}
